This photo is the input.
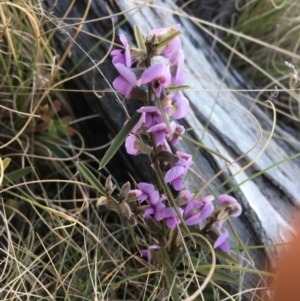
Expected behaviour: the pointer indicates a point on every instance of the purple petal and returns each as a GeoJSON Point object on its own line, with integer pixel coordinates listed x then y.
{"type": "Point", "coordinates": [171, 223]}
{"type": "Point", "coordinates": [178, 184]}
{"type": "Point", "coordinates": [175, 139]}
{"type": "Point", "coordinates": [148, 211]}
{"type": "Point", "coordinates": [127, 73]}
{"type": "Point", "coordinates": [134, 193]}
{"type": "Point", "coordinates": [208, 198]}
{"type": "Point", "coordinates": [225, 199]}
{"type": "Point", "coordinates": [158, 90]}
{"type": "Point", "coordinates": [182, 105]}
{"type": "Point", "coordinates": [121, 85]}
{"type": "Point", "coordinates": [174, 173]}
{"type": "Point", "coordinates": [172, 217]}
{"type": "Point", "coordinates": [160, 138]}
{"type": "Point", "coordinates": [221, 241]}
{"type": "Point", "coordinates": [157, 128]}
{"type": "Point", "coordinates": [127, 51]}
{"type": "Point", "coordinates": [171, 47]}
{"type": "Point", "coordinates": [146, 253]}
{"type": "Point", "coordinates": [206, 211]}
{"type": "Point", "coordinates": [139, 124]}
{"type": "Point", "coordinates": [193, 220]}
{"type": "Point", "coordinates": [130, 145]}
{"type": "Point", "coordinates": [146, 187]}
{"type": "Point", "coordinates": [187, 194]}
{"type": "Point", "coordinates": [178, 79]}
{"type": "Point", "coordinates": [118, 56]}
{"type": "Point", "coordinates": [159, 211]}
{"type": "Point", "coordinates": [154, 197]}
{"type": "Point", "coordinates": [153, 73]}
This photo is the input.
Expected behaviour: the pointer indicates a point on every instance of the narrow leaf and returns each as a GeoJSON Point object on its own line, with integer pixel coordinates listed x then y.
{"type": "Point", "coordinates": [168, 39]}
{"type": "Point", "coordinates": [119, 139]}
{"type": "Point", "coordinates": [178, 88]}
{"type": "Point", "coordinates": [169, 274]}
{"type": "Point", "coordinates": [16, 175]}
{"type": "Point", "coordinates": [133, 236]}
{"type": "Point", "coordinates": [88, 175]}
{"type": "Point", "coordinates": [140, 41]}
{"type": "Point", "coordinates": [6, 162]}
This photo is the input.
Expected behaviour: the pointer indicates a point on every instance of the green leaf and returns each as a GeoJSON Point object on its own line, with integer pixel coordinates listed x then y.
{"type": "Point", "coordinates": [17, 174]}
{"type": "Point", "coordinates": [169, 274]}
{"type": "Point", "coordinates": [119, 139]}
{"type": "Point", "coordinates": [133, 236]}
{"type": "Point", "coordinates": [219, 275]}
{"type": "Point", "coordinates": [5, 163]}
{"type": "Point", "coordinates": [140, 41]}
{"type": "Point", "coordinates": [178, 88]}
{"type": "Point", "coordinates": [168, 39]}
{"type": "Point", "coordinates": [88, 175]}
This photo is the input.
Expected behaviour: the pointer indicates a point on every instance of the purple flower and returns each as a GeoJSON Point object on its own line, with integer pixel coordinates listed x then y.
{"type": "Point", "coordinates": [225, 199]}
{"type": "Point", "coordinates": [186, 194]}
{"type": "Point", "coordinates": [196, 211]}
{"type": "Point", "coordinates": [131, 145]}
{"type": "Point", "coordinates": [152, 115]}
{"type": "Point", "coordinates": [122, 56]}
{"type": "Point", "coordinates": [148, 193]}
{"type": "Point", "coordinates": [134, 193]}
{"type": "Point", "coordinates": [161, 132]}
{"type": "Point", "coordinates": [176, 173]}
{"type": "Point", "coordinates": [136, 129]}
{"type": "Point", "coordinates": [156, 210]}
{"type": "Point", "coordinates": [173, 45]}
{"type": "Point", "coordinates": [126, 81]}
{"type": "Point", "coordinates": [175, 138]}
{"type": "Point", "coordinates": [147, 252]}
{"type": "Point", "coordinates": [164, 147]}
{"type": "Point", "coordinates": [176, 61]}
{"type": "Point", "coordinates": [171, 216]}
{"type": "Point", "coordinates": [177, 106]}
{"type": "Point", "coordinates": [159, 75]}
{"type": "Point", "coordinates": [221, 242]}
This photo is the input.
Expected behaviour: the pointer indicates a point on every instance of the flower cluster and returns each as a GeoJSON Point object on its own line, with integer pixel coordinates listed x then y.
{"type": "Point", "coordinates": [158, 70]}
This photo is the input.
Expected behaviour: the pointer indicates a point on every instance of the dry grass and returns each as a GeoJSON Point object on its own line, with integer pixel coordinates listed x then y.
{"type": "Point", "coordinates": [54, 243]}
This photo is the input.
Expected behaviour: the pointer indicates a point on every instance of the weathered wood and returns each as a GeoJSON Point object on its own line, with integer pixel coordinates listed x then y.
{"type": "Point", "coordinates": [218, 118]}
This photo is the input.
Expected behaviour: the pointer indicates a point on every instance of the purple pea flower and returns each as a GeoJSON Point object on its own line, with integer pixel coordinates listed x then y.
{"type": "Point", "coordinates": [138, 127]}
{"type": "Point", "coordinates": [176, 173]}
{"type": "Point", "coordinates": [147, 252]}
{"type": "Point", "coordinates": [225, 199]}
{"type": "Point", "coordinates": [176, 61]}
{"type": "Point", "coordinates": [157, 210]}
{"type": "Point", "coordinates": [152, 115]}
{"type": "Point", "coordinates": [173, 45]}
{"type": "Point", "coordinates": [161, 132]}
{"type": "Point", "coordinates": [122, 56]}
{"type": "Point", "coordinates": [176, 105]}
{"type": "Point", "coordinates": [126, 81]}
{"type": "Point", "coordinates": [131, 145]}
{"type": "Point", "coordinates": [221, 242]}
{"type": "Point", "coordinates": [164, 147]}
{"type": "Point", "coordinates": [159, 75]}
{"type": "Point", "coordinates": [148, 193]}
{"type": "Point", "coordinates": [175, 138]}
{"type": "Point", "coordinates": [196, 211]}
{"type": "Point", "coordinates": [171, 216]}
